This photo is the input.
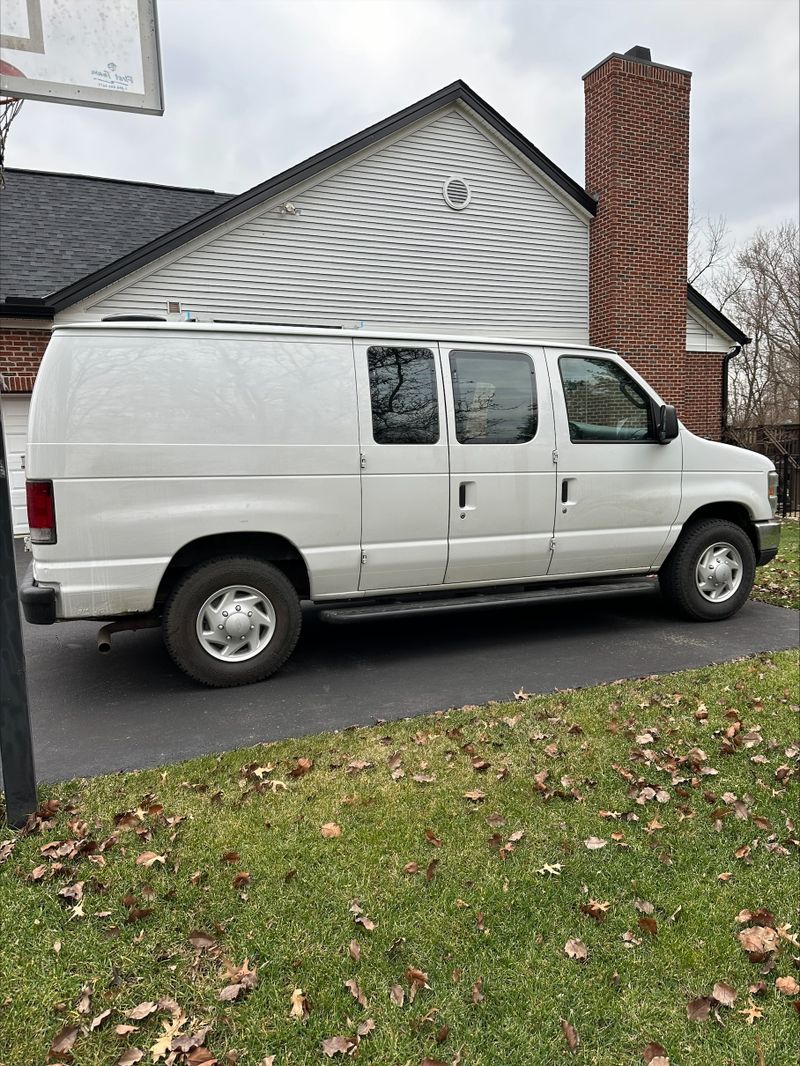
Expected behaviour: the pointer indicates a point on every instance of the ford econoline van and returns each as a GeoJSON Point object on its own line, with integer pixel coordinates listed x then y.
{"type": "Point", "coordinates": [209, 478]}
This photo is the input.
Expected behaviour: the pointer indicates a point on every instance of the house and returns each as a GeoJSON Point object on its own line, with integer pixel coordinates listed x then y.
{"type": "Point", "coordinates": [441, 217]}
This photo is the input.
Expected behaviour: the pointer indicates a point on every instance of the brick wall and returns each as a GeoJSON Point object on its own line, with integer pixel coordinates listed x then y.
{"type": "Point", "coordinates": [21, 351]}
{"type": "Point", "coordinates": [702, 405]}
{"type": "Point", "coordinates": [637, 165]}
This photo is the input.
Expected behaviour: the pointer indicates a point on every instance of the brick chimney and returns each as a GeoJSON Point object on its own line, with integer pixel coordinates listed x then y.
{"type": "Point", "coordinates": [637, 165]}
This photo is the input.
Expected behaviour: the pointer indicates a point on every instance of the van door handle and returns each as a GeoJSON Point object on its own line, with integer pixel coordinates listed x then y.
{"type": "Point", "coordinates": [565, 491]}
{"type": "Point", "coordinates": [462, 495]}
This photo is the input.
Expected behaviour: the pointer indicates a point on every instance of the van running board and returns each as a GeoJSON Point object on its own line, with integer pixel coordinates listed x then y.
{"type": "Point", "coordinates": [395, 609]}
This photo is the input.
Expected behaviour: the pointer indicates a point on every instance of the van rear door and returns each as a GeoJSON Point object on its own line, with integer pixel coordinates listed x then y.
{"type": "Point", "coordinates": [404, 465]}
{"type": "Point", "coordinates": [502, 471]}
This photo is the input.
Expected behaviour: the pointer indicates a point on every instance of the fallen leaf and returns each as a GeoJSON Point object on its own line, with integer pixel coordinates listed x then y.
{"type": "Point", "coordinates": [397, 995]}
{"type": "Point", "coordinates": [354, 950]}
{"type": "Point", "coordinates": [365, 1027]}
{"type": "Point", "coordinates": [411, 868]}
{"type": "Point", "coordinates": [655, 1055]}
{"type": "Point", "coordinates": [241, 879]}
{"type": "Point", "coordinates": [570, 1034]}
{"type": "Point", "coordinates": [759, 941]}
{"type": "Point", "coordinates": [595, 843]}
{"type": "Point", "coordinates": [141, 1011]}
{"type": "Point", "coordinates": [355, 991]}
{"type": "Point", "coordinates": [64, 1041]}
{"type": "Point", "coordinates": [201, 941]}
{"type": "Point", "coordinates": [576, 949]}
{"type": "Point", "coordinates": [697, 1009]}
{"type": "Point", "coordinates": [751, 1013]}
{"type": "Point", "coordinates": [149, 858]}
{"type": "Point", "coordinates": [337, 1045]}
{"type": "Point", "coordinates": [649, 925]}
{"type": "Point", "coordinates": [475, 795]}
{"type": "Point", "coordinates": [98, 1021]}
{"type": "Point", "coordinates": [331, 829]}
{"type": "Point", "coordinates": [125, 1030]}
{"type": "Point", "coordinates": [300, 1005]}
{"type": "Point", "coordinates": [130, 1057]}
{"type": "Point", "coordinates": [724, 994]}
{"type": "Point", "coordinates": [787, 986]}
{"type": "Point", "coordinates": [476, 992]}
{"type": "Point", "coordinates": [432, 838]}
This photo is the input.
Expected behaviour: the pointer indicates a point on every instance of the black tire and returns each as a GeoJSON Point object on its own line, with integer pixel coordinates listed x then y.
{"type": "Point", "coordinates": [677, 575]}
{"type": "Point", "coordinates": [179, 621]}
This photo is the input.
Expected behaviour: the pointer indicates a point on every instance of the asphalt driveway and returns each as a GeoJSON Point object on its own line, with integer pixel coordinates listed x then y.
{"type": "Point", "coordinates": [132, 708]}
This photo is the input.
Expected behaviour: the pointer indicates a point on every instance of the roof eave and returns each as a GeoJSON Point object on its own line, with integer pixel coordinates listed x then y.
{"type": "Point", "coordinates": [714, 315]}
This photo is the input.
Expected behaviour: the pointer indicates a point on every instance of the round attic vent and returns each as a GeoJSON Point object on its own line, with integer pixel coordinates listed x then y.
{"type": "Point", "coordinates": [457, 194]}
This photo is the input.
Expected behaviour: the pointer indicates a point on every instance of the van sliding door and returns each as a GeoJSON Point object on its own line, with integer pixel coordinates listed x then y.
{"type": "Point", "coordinates": [502, 473]}
{"type": "Point", "coordinates": [404, 465]}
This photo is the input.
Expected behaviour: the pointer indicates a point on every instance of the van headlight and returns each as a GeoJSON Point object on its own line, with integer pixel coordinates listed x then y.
{"type": "Point", "coordinates": [772, 490]}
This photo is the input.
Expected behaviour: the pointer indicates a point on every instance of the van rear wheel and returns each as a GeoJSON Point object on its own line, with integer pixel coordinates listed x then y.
{"type": "Point", "coordinates": [232, 621]}
{"type": "Point", "coordinates": [709, 573]}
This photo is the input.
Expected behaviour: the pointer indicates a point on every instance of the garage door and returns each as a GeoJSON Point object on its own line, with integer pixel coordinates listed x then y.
{"type": "Point", "coordinates": [15, 427]}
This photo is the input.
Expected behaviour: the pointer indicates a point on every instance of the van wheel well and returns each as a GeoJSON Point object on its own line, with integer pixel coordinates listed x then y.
{"type": "Point", "coordinates": [728, 512]}
{"type": "Point", "coordinates": [268, 546]}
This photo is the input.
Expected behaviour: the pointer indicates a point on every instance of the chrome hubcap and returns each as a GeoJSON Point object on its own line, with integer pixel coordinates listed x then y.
{"type": "Point", "coordinates": [235, 623]}
{"type": "Point", "coordinates": [719, 572]}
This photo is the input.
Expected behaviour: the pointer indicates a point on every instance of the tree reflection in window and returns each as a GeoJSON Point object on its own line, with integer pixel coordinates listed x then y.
{"type": "Point", "coordinates": [402, 385]}
{"type": "Point", "coordinates": [495, 397]}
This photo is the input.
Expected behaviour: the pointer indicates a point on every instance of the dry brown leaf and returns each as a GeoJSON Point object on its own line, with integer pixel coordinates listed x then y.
{"type": "Point", "coordinates": [759, 941]}
{"type": "Point", "coordinates": [130, 1057]}
{"type": "Point", "coordinates": [149, 858]}
{"type": "Point", "coordinates": [354, 950]}
{"type": "Point", "coordinates": [125, 1030]}
{"type": "Point", "coordinates": [570, 1034]}
{"type": "Point", "coordinates": [697, 1009]}
{"type": "Point", "coordinates": [595, 843]}
{"type": "Point", "coordinates": [751, 1013]}
{"type": "Point", "coordinates": [724, 994]}
{"type": "Point", "coordinates": [142, 1010]}
{"type": "Point", "coordinates": [649, 925]}
{"type": "Point", "coordinates": [475, 795]}
{"type": "Point", "coordinates": [241, 879]}
{"type": "Point", "coordinates": [64, 1041]}
{"type": "Point", "coordinates": [476, 992]}
{"type": "Point", "coordinates": [355, 991]}
{"type": "Point", "coordinates": [329, 830]}
{"type": "Point", "coordinates": [411, 868]}
{"type": "Point", "coordinates": [300, 1007]}
{"type": "Point", "coordinates": [201, 941]}
{"type": "Point", "coordinates": [98, 1020]}
{"type": "Point", "coordinates": [576, 949]}
{"type": "Point", "coordinates": [787, 986]}
{"type": "Point", "coordinates": [337, 1045]}
{"type": "Point", "coordinates": [655, 1055]}
{"type": "Point", "coordinates": [397, 995]}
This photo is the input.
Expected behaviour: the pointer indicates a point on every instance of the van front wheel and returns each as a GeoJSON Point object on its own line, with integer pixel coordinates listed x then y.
{"type": "Point", "coordinates": [709, 573]}
{"type": "Point", "coordinates": [232, 621]}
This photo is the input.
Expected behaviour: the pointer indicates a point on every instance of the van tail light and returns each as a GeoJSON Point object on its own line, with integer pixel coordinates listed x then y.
{"type": "Point", "coordinates": [41, 511]}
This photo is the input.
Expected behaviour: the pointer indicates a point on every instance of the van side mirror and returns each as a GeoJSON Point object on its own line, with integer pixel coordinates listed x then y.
{"type": "Point", "coordinates": [667, 424]}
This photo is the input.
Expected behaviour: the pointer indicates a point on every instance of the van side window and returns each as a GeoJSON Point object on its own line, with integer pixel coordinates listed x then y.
{"type": "Point", "coordinates": [495, 397]}
{"type": "Point", "coordinates": [603, 402]}
{"type": "Point", "coordinates": [402, 387]}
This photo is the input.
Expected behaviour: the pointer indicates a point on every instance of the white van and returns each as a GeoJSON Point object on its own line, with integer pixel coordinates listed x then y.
{"type": "Point", "coordinates": [210, 477]}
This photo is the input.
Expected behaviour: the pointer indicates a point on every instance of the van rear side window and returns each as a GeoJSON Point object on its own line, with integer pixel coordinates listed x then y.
{"type": "Point", "coordinates": [495, 397]}
{"type": "Point", "coordinates": [402, 386]}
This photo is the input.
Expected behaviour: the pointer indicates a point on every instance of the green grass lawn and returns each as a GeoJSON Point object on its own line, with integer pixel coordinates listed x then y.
{"type": "Point", "coordinates": [688, 780]}
{"type": "Point", "coordinates": [779, 581]}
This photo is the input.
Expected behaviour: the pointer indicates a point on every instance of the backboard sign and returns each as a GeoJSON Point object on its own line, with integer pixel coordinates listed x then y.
{"type": "Point", "coordinates": [99, 53]}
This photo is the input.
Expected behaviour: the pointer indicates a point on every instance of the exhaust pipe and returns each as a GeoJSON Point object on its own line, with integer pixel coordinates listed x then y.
{"type": "Point", "coordinates": [105, 633]}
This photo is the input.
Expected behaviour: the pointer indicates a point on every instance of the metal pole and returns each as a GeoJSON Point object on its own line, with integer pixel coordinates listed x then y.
{"type": "Point", "coordinates": [16, 742]}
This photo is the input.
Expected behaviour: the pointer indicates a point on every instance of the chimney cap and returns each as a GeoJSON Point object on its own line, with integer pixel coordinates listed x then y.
{"type": "Point", "coordinates": [639, 52]}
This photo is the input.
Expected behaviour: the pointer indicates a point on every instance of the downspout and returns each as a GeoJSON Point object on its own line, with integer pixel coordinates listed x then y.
{"type": "Point", "coordinates": [732, 352]}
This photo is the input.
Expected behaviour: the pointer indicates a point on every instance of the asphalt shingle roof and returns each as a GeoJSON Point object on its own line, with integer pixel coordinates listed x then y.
{"type": "Point", "coordinates": [57, 228]}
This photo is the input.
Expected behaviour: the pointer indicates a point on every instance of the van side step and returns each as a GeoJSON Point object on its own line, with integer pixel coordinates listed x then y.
{"type": "Point", "coordinates": [559, 594]}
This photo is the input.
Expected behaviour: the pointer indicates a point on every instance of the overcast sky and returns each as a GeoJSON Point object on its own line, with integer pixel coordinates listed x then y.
{"type": "Point", "coordinates": [253, 86]}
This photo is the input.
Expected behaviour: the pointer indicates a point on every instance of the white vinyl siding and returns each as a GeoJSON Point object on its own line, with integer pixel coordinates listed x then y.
{"type": "Point", "coordinates": [701, 338]}
{"type": "Point", "coordinates": [15, 426]}
{"type": "Point", "coordinates": [375, 242]}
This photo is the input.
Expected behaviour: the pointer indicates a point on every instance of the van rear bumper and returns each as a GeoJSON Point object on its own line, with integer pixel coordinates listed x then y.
{"type": "Point", "coordinates": [38, 601]}
{"type": "Point", "coordinates": [768, 539]}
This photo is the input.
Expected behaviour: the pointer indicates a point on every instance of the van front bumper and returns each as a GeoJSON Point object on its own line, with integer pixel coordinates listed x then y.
{"type": "Point", "coordinates": [768, 539]}
{"type": "Point", "coordinates": [38, 601]}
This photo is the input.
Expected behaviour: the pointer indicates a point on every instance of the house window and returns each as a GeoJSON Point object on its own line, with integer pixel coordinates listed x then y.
{"type": "Point", "coordinates": [604, 403]}
{"type": "Point", "coordinates": [402, 386]}
{"type": "Point", "coordinates": [495, 397]}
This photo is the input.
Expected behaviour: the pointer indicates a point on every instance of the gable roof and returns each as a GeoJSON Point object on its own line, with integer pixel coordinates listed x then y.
{"type": "Point", "coordinates": [163, 243]}
{"type": "Point", "coordinates": [57, 228]}
{"type": "Point", "coordinates": [77, 264]}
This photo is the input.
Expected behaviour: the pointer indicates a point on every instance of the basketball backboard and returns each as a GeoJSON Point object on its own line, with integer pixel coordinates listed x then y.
{"type": "Point", "coordinates": [99, 53]}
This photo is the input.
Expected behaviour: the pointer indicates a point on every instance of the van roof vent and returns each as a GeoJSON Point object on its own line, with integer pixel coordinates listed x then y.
{"type": "Point", "coordinates": [457, 193]}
